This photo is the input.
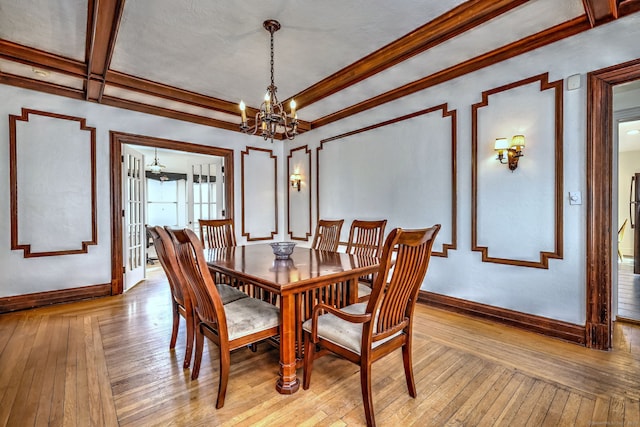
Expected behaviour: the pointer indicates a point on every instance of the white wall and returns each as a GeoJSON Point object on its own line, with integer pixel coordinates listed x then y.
{"type": "Point", "coordinates": [559, 291]}
{"type": "Point", "coordinates": [19, 275]}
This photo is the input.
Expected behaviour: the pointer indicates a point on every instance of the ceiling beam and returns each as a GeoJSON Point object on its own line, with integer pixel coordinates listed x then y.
{"type": "Point", "coordinates": [600, 11]}
{"type": "Point", "coordinates": [448, 25]}
{"type": "Point", "coordinates": [542, 38]}
{"type": "Point", "coordinates": [103, 21]}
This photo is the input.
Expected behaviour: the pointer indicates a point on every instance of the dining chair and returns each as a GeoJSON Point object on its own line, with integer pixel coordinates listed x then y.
{"type": "Point", "coordinates": [230, 326]}
{"type": "Point", "coordinates": [217, 233]}
{"type": "Point", "coordinates": [366, 332]}
{"type": "Point", "coordinates": [327, 237]}
{"type": "Point", "coordinates": [181, 297]}
{"type": "Point", "coordinates": [620, 237]}
{"type": "Point", "coordinates": [181, 302]}
{"type": "Point", "coordinates": [365, 239]}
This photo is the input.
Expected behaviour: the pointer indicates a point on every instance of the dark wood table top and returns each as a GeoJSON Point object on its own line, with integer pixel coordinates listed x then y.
{"type": "Point", "coordinates": [306, 267]}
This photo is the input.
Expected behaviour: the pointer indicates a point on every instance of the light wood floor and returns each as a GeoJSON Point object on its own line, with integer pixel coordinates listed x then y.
{"type": "Point", "coordinates": [107, 362]}
{"type": "Point", "coordinates": [628, 291]}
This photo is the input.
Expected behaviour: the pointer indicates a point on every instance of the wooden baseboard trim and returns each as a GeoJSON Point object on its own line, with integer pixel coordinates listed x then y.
{"type": "Point", "coordinates": [41, 299]}
{"type": "Point", "coordinates": [542, 325]}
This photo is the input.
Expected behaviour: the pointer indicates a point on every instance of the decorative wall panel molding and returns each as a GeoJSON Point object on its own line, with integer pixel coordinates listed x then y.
{"type": "Point", "coordinates": [52, 168]}
{"type": "Point", "coordinates": [259, 168]}
{"type": "Point", "coordinates": [527, 230]}
{"type": "Point", "coordinates": [299, 201]}
{"type": "Point", "coordinates": [411, 158]}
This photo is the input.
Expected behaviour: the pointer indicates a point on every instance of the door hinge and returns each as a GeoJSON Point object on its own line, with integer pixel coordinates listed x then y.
{"type": "Point", "coordinates": [123, 213]}
{"type": "Point", "coordinates": [122, 158]}
{"type": "Point", "coordinates": [124, 270]}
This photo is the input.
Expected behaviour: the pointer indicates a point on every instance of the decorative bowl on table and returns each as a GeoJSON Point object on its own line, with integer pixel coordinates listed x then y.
{"type": "Point", "coordinates": [282, 250]}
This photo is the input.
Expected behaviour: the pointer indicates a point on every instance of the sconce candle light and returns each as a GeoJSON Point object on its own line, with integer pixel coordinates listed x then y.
{"type": "Point", "coordinates": [513, 150]}
{"type": "Point", "coordinates": [295, 180]}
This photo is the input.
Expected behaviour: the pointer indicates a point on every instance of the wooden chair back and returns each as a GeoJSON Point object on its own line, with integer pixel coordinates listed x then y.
{"type": "Point", "coordinates": [395, 290]}
{"type": "Point", "coordinates": [217, 233]}
{"type": "Point", "coordinates": [327, 237]}
{"type": "Point", "coordinates": [366, 237]}
{"type": "Point", "coordinates": [208, 305]}
{"type": "Point", "coordinates": [169, 263]}
{"type": "Point", "coordinates": [182, 304]}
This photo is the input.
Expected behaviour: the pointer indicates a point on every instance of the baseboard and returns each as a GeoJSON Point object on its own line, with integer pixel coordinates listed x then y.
{"type": "Point", "coordinates": [41, 299]}
{"type": "Point", "coordinates": [542, 325]}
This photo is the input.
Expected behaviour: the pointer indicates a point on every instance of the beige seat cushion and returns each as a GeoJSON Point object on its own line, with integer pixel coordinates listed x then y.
{"type": "Point", "coordinates": [249, 315]}
{"type": "Point", "coordinates": [363, 289]}
{"type": "Point", "coordinates": [229, 293]}
{"type": "Point", "coordinates": [341, 332]}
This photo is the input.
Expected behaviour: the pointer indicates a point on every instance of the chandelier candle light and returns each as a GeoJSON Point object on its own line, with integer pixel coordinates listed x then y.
{"type": "Point", "coordinates": [272, 118]}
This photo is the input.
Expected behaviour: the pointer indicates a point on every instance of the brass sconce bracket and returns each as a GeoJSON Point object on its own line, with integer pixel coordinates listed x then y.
{"type": "Point", "coordinates": [513, 150]}
{"type": "Point", "coordinates": [295, 180]}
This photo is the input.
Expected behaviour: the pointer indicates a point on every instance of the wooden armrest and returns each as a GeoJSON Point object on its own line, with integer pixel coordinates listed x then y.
{"type": "Point", "coordinates": [353, 318]}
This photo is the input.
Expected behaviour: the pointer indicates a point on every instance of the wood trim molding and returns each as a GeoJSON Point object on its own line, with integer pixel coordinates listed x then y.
{"type": "Point", "coordinates": [115, 163]}
{"type": "Point", "coordinates": [454, 22]}
{"type": "Point", "coordinates": [42, 299]}
{"type": "Point", "coordinates": [38, 58]}
{"type": "Point", "coordinates": [246, 233]}
{"type": "Point", "coordinates": [40, 86]}
{"type": "Point", "coordinates": [13, 184]}
{"type": "Point", "coordinates": [529, 322]}
{"type": "Point", "coordinates": [558, 159]}
{"type": "Point", "coordinates": [289, 171]}
{"type": "Point", "coordinates": [454, 173]}
{"type": "Point", "coordinates": [527, 44]}
{"type": "Point", "coordinates": [600, 146]}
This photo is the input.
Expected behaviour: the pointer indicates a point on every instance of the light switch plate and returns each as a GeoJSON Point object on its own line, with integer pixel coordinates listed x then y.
{"type": "Point", "coordinates": [575, 197]}
{"type": "Point", "coordinates": [573, 82]}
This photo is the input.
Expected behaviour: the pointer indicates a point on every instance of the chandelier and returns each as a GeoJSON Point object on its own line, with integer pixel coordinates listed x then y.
{"type": "Point", "coordinates": [155, 167]}
{"type": "Point", "coordinates": [272, 118]}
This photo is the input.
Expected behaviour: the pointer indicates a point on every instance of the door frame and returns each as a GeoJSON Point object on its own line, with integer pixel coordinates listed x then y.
{"type": "Point", "coordinates": [599, 239]}
{"type": "Point", "coordinates": [117, 139]}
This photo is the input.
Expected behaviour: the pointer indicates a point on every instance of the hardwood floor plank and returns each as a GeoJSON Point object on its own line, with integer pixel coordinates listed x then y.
{"type": "Point", "coordinates": [600, 414]}
{"type": "Point", "coordinates": [59, 383]}
{"type": "Point", "coordinates": [631, 412]}
{"type": "Point", "coordinates": [585, 411]}
{"type": "Point", "coordinates": [616, 411]}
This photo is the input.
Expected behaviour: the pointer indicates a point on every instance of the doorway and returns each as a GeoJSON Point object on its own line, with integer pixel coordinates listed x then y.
{"type": "Point", "coordinates": [601, 235]}
{"type": "Point", "coordinates": [118, 142]}
{"type": "Point", "coordinates": [626, 134]}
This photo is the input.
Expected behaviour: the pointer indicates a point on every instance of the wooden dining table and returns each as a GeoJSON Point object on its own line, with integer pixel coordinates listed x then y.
{"type": "Point", "coordinates": [296, 285]}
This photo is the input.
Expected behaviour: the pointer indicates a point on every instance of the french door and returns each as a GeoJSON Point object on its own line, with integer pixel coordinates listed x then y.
{"type": "Point", "coordinates": [205, 193]}
{"type": "Point", "coordinates": [133, 227]}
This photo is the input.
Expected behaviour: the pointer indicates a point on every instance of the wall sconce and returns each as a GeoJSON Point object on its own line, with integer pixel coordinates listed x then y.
{"type": "Point", "coordinates": [295, 180]}
{"type": "Point", "coordinates": [513, 150]}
